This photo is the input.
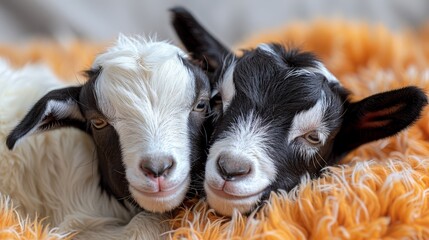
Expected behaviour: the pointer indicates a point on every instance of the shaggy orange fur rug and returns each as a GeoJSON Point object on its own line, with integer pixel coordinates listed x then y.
{"type": "Point", "coordinates": [380, 190]}
{"type": "Point", "coordinates": [15, 227]}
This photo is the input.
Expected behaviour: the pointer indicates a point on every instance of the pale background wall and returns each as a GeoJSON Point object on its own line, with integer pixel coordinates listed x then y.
{"type": "Point", "coordinates": [231, 20]}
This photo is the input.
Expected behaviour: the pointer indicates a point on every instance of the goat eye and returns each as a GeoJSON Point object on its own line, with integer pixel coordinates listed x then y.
{"type": "Point", "coordinates": [313, 138]}
{"type": "Point", "coordinates": [216, 103]}
{"type": "Point", "coordinates": [98, 123]}
{"type": "Point", "coordinates": [217, 99]}
{"type": "Point", "coordinates": [201, 106]}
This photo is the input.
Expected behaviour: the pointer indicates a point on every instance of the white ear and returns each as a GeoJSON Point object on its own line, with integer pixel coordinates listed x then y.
{"type": "Point", "coordinates": [56, 109]}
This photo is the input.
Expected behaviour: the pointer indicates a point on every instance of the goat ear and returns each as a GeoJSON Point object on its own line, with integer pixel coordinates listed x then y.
{"type": "Point", "coordinates": [379, 116]}
{"type": "Point", "coordinates": [56, 109]}
{"type": "Point", "coordinates": [204, 47]}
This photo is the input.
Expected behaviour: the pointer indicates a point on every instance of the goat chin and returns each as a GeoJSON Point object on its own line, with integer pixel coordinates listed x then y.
{"type": "Point", "coordinates": [161, 201]}
{"type": "Point", "coordinates": [228, 204]}
{"type": "Point", "coordinates": [53, 175]}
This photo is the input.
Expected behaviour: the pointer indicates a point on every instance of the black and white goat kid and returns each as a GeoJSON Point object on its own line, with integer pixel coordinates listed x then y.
{"type": "Point", "coordinates": [280, 115]}
{"type": "Point", "coordinates": [143, 106]}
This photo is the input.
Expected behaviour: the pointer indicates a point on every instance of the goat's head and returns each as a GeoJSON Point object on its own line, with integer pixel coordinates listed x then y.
{"type": "Point", "coordinates": [143, 105]}
{"type": "Point", "coordinates": [280, 114]}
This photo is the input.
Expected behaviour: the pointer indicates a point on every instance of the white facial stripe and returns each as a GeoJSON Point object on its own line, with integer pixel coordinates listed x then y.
{"type": "Point", "coordinates": [226, 86]}
{"type": "Point", "coordinates": [249, 139]}
{"type": "Point", "coordinates": [267, 48]}
{"type": "Point", "coordinates": [307, 121]}
{"type": "Point", "coordinates": [311, 71]}
{"type": "Point", "coordinates": [147, 93]}
{"type": "Point", "coordinates": [320, 68]}
{"type": "Point", "coordinates": [324, 71]}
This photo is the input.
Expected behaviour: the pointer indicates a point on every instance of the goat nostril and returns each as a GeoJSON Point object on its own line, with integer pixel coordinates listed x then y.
{"type": "Point", "coordinates": [222, 167]}
{"type": "Point", "coordinates": [157, 166]}
{"type": "Point", "coordinates": [232, 168]}
{"type": "Point", "coordinates": [148, 170]}
{"type": "Point", "coordinates": [168, 164]}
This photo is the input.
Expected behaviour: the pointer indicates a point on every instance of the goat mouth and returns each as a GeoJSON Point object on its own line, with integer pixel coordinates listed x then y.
{"type": "Point", "coordinates": [232, 197]}
{"type": "Point", "coordinates": [164, 193]}
{"type": "Point", "coordinates": [226, 203]}
{"type": "Point", "coordinates": [159, 194]}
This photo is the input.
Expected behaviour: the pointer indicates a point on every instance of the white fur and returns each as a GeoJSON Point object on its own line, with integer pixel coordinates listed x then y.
{"type": "Point", "coordinates": [63, 109]}
{"type": "Point", "coordinates": [325, 72]}
{"type": "Point", "coordinates": [147, 94]}
{"type": "Point", "coordinates": [308, 121]}
{"type": "Point", "coordinates": [267, 48]}
{"type": "Point", "coordinates": [226, 87]}
{"type": "Point", "coordinates": [320, 68]}
{"type": "Point", "coordinates": [54, 175]}
{"type": "Point", "coordinates": [247, 138]}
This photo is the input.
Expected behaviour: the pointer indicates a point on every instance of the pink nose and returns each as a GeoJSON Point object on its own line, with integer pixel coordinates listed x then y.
{"type": "Point", "coordinates": [157, 166]}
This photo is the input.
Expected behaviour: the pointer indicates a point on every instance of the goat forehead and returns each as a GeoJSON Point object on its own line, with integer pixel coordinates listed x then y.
{"type": "Point", "coordinates": [277, 89]}
{"type": "Point", "coordinates": [151, 78]}
{"type": "Point", "coordinates": [305, 62]}
{"type": "Point", "coordinates": [272, 75]}
{"type": "Point", "coordinates": [280, 99]}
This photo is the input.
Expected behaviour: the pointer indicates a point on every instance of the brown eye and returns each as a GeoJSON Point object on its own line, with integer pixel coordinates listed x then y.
{"type": "Point", "coordinates": [201, 106]}
{"type": "Point", "coordinates": [98, 123]}
{"type": "Point", "coordinates": [313, 138]}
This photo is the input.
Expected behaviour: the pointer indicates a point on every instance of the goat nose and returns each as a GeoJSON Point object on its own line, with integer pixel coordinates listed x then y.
{"type": "Point", "coordinates": [157, 166]}
{"type": "Point", "coordinates": [232, 167]}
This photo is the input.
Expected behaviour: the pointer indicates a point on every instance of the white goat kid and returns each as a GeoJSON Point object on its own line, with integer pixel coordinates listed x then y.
{"type": "Point", "coordinates": [143, 106]}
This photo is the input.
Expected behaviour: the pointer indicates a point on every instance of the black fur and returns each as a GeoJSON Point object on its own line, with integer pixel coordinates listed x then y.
{"type": "Point", "coordinates": [184, 26]}
{"type": "Point", "coordinates": [264, 89]}
{"type": "Point", "coordinates": [266, 86]}
{"type": "Point", "coordinates": [46, 121]}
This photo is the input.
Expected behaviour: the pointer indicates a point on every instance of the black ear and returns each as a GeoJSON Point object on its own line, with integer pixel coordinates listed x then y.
{"type": "Point", "coordinates": [204, 47]}
{"type": "Point", "coordinates": [379, 116]}
{"type": "Point", "coordinates": [56, 109]}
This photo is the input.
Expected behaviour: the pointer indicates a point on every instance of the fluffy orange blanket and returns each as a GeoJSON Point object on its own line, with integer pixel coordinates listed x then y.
{"type": "Point", "coordinates": [380, 190]}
